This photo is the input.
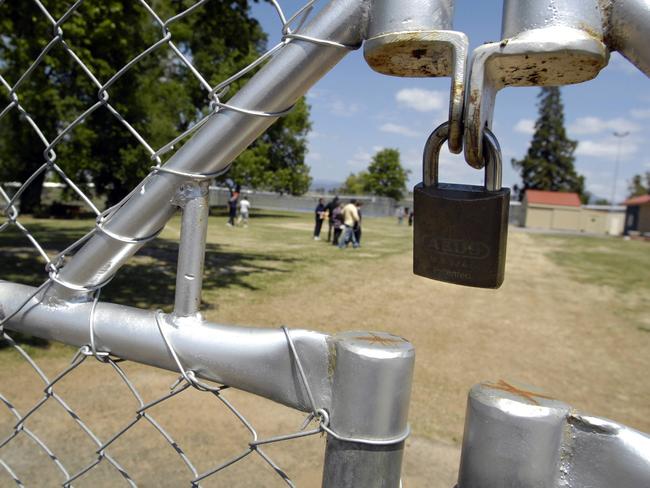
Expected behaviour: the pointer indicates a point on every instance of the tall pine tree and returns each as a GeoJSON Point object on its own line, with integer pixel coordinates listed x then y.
{"type": "Point", "coordinates": [639, 185]}
{"type": "Point", "coordinates": [548, 164]}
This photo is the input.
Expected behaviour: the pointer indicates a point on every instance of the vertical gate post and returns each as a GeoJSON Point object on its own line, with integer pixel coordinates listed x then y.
{"type": "Point", "coordinates": [193, 199]}
{"type": "Point", "coordinates": [371, 388]}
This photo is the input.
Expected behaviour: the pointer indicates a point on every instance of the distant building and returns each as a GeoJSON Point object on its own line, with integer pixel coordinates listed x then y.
{"type": "Point", "coordinates": [555, 210]}
{"type": "Point", "coordinates": [551, 210]}
{"type": "Point", "coordinates": [637, 215]}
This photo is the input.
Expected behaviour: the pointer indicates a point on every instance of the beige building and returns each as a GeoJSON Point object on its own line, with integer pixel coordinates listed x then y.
{"type": "Point", "coordinates": [563, 211]}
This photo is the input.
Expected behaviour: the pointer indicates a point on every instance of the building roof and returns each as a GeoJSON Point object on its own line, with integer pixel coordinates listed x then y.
{"type": "Point", "coordinates": [640, 200]}
{"type": "Point", "coordinates": [553, 198]}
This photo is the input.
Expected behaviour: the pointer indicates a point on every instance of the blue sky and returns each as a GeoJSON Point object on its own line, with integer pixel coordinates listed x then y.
{"type": "Point", "coordinates": [356, 112]}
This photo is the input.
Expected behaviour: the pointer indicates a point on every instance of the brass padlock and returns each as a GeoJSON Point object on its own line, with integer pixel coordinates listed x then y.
{"type": "Point", "coordinates": [461, 231]}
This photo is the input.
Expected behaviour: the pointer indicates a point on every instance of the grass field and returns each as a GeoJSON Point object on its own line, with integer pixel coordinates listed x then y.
{"type": "Point", "coordinates": [572, 318]}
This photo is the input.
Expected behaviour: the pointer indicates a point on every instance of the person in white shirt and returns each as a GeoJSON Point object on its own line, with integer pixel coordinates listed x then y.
{"type": "Point", "coordinates": [244, 206]}
{"type": "Point", "coordinates": [350, 218]}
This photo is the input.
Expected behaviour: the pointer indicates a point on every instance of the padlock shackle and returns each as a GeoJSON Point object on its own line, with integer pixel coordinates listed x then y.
{"type": "Point", "coordinates": [431, 156]}
{"type": "Point", "coordinates": [491, 148]}
{"type": "Point", "coordinates": [494, 163]}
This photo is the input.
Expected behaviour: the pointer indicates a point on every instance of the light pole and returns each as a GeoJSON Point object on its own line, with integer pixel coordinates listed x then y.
{"type": "Point", "coordinates": [620, 136]}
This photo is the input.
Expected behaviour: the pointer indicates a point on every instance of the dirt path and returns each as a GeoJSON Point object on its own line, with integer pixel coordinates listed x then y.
{"type": "Point", "coordinates": [540, 328]}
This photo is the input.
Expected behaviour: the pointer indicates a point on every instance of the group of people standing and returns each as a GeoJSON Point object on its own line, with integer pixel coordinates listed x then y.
{"type": "Point", "coordinates": [344, 222]}
{"type": "Point", "coordinates": [244, 206]}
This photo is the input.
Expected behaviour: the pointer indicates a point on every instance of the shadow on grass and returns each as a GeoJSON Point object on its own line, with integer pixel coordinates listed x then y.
{"type": "Point", "coordinates": [148, 280]}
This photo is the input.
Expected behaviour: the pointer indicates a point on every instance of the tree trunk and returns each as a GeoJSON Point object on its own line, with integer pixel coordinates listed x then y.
{"type": "Point", "coordinates": [30, 200]}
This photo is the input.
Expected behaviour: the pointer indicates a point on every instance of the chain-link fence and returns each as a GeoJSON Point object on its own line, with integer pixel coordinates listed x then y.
{"type": "Point", "coordinates": [89, 434]}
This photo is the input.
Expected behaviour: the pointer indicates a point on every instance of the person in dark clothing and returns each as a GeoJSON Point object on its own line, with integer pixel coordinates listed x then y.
{"type": "Point", "coordinates": [357, 225]}
{"type": "Point", "coordinates": [232, 206]}
{"type": "Point", "coordinates": [411, 217]}
{"type": "Point", "coordinates": [330, 212]}
{"type": "Point", "coordinates": [337, 218]}
{"type": "Point", "coordinates": [320, 214]}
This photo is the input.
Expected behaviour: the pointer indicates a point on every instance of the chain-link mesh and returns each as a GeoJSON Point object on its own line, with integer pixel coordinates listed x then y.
{"type": "Point", "coordinates": [20, 430]}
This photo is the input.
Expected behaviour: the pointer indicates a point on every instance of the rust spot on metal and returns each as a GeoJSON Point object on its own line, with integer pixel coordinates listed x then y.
{"type": "Point", "coordinates": [584, 424]}
{"type": "Point", "coordinates": [474, 96]}
{"type": "Point", "coordinates": [591, 31]}
{"type": "Point", "coordinates": [331, 359]}
{"type": "Point", "coordinates": [419, 53]}
{"type": "Point", "coordinates": [525, 394]}
{"type": "Point", "coordinates": [383, 341]}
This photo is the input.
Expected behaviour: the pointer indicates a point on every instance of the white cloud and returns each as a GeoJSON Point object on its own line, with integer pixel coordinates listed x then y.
{"type": "Point", "coordinates": [606, 148]}
{"type": "Point", "coordinates": [398, 129]}
{"type": "Point", "coordinates": [640, 113]}
{"type": "Point", "coordinates": [422, 100]}
{"type": "Point", "coordinates": [343, 109]}
{"type": "Point", "coordinates": [525, 126]}
{"type": "Point", "coordinates": [314, 156]}
{"type": "Point", "coordinates": [360, 159]}
{"type": "Point", "coordinates": [595, 125]}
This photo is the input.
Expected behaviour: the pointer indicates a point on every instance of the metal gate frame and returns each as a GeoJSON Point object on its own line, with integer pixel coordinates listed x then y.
{"type": "Point", "coordinates": [357, 384]}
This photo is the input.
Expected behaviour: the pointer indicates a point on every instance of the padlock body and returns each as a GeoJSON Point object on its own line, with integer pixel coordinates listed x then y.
{"type": "Point", "coordinates": [460, 234]}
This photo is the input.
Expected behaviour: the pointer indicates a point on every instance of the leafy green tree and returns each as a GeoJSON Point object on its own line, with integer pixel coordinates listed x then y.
{"type": "Point", "coordinates": [639, 185]}
{"type": "Point", "coordinates": [158, 96]}
{"type": "Point", "coordinates": [386, 176]}
{"type": "Point", "coordinates": [105, 36]}
{"type": "Point", "coordinates": [276, 161]}
{"type": "Point", "coordinates": [355, 184]}
{"type": "Point", "coordinates": [549, 162]}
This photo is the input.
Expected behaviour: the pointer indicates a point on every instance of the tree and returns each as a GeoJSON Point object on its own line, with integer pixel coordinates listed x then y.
{"type": "Point", "coordinates": [223, 39]}
{"type": "Point", "coordinates": [639, 185]}
{"type": "Point", "coordinates": [386, 176]}
{"type": "Point", "coordinates": [355, 184]}
{"type": "Point", "coordinates": [105, 36]}
{"type": "Point", "coordinates": [276, 161]}
{"type": "Point", "coordinates": [549, 162]}
{"type": "Point", "coordinates": [157, 96]}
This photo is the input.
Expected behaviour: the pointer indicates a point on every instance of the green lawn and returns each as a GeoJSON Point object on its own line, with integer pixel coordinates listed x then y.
{"type": "Point", "coordinates": [275, 249]}
{"type": "Point", "coordinates": [276, 252]}
{"type": "Point", "coordinates": [623, 265]}
{"type": "Point", "coordinates": [571, 318]}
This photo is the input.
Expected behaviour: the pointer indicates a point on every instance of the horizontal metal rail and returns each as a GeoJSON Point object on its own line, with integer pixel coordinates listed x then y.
{"type": "Point", "coordinates": [252, 359]}
{"type": "Point", "coordinates": [357, 384]}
